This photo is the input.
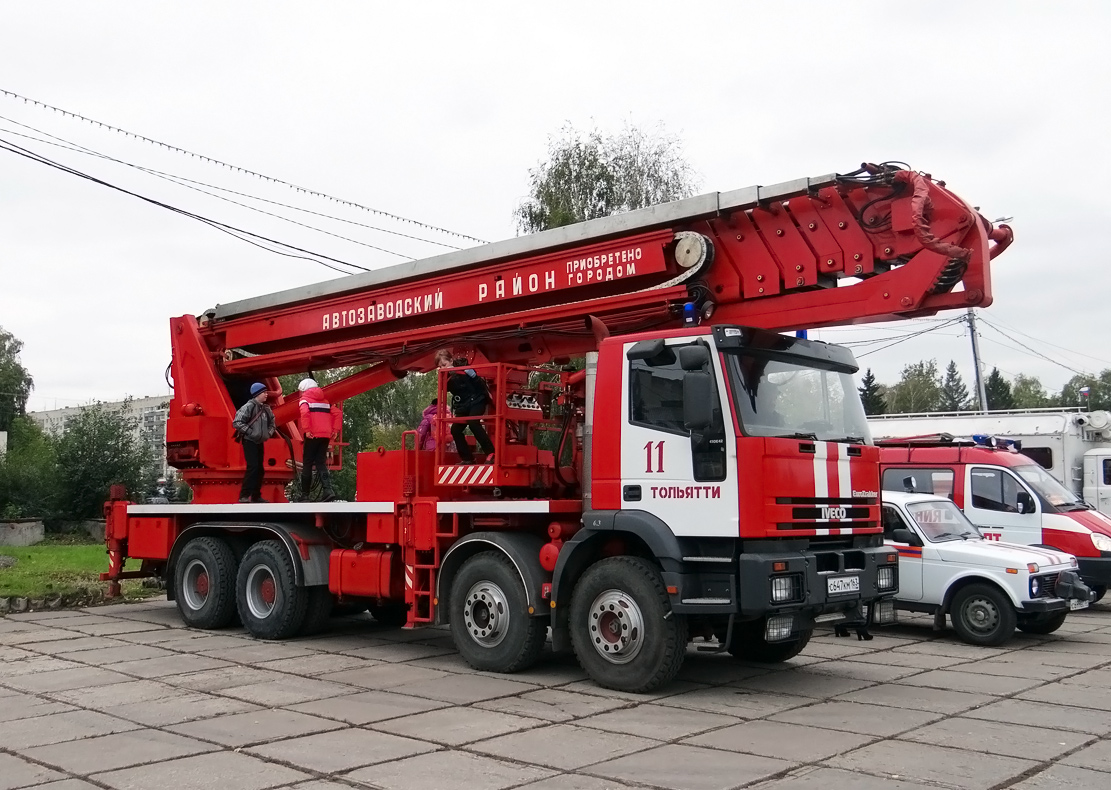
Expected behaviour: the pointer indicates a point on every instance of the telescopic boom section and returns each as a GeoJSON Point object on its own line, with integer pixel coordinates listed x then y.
{"type": "Point", "coordinates": [878, 244]}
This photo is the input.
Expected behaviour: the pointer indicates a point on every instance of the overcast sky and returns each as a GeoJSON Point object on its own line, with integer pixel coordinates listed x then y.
{"type": "Point", "coordinates": [437, 114]}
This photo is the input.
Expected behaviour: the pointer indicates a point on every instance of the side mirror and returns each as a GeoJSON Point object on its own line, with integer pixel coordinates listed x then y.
{"type": "Point", "coordinates": [694, 357]}
{"type": "Point", "coordinates": [1025, 502]}
{"type": "Point", "coordinates": [698, 406]}
{"type": "Point", "coordinates": [904, 535]}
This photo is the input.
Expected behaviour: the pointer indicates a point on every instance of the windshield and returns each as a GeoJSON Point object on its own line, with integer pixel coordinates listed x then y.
{"type": "Point", "coordinates": [776, 398]}
{"type": "Point", "coordinates": [1047, 487]}
{"type": "Point", "coordinates": [941, 520]}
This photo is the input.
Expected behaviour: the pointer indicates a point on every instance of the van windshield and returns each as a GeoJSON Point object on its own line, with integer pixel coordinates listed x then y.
{"type": "Point", "coordinates": [1047, 487]}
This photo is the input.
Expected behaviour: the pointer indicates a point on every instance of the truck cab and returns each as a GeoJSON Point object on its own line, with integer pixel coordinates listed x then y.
{"type": "Point", "coordinates": [987, 587]}
{"type": "Point", "coordinates": [1007, 495]}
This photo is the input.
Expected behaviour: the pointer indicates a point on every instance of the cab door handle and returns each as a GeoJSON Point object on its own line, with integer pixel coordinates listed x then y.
{"type": "Point", "coordinates": [631, 493]}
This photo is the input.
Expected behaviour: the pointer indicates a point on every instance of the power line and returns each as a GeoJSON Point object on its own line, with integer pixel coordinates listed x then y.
{"type": "Point", "coordinates": [911, 336]}
{"type": "Point", "coordinates": [231, 230]}
{"type": "Point", "coordinates": [1034, 351]}
{"type": "Point", "coordinates": [1052, 345]}
{"type": "Point", "coordinates": [236, 168]}
{"type": "Point", "coordinates": [69, 145]}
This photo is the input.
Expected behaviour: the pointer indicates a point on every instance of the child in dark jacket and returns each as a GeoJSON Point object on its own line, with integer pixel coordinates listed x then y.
{"type": "Point", "coordinates": [253, 424]}
{"type": "Point", "coordinates": [469, 398]}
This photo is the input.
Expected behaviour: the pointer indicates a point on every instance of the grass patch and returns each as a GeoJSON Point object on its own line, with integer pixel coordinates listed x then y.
{"type": "Point", "coordinates": [49, 569]}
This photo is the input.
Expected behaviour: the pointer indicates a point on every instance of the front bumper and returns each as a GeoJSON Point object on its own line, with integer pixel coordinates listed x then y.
{"type": "Point", "coordinates": [1095, 571]}
{"type": "Point", "coordinates": [1044, 606]}
{"type": "Point", "coordinates": [747, 592]}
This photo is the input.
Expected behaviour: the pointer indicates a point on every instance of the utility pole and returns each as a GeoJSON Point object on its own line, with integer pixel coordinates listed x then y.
{"type": "Point", "coordinates": [981, 389]}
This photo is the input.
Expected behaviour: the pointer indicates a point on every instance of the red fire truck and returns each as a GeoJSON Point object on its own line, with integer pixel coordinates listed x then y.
{"type": "Point", "coordinates": [702, 476]}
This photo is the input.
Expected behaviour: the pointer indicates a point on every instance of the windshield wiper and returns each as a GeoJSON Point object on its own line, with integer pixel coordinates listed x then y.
{"type": "Point", "coordinates": [799, 435]}
{"type": "Point", "coordinates": [966, 533]}
{"type": "Point", "coordinates": [849, 440]}
{"type": "Point", "coordinates": [946, 535]}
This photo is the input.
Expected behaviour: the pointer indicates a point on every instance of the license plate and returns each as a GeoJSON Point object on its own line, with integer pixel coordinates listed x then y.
{"type": "Point", "coordinates": [843, 584]}
{"type": "Point", "coordinates": [1076, 603]}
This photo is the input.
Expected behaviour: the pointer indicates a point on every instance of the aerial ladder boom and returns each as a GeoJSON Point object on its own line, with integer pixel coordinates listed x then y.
{"type": "Point", "coordinates": [874, 245]}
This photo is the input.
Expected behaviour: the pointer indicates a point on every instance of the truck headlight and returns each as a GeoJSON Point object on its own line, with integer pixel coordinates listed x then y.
{"type": "Point", "coordinates": [779, 627]}
{"type": "Point", "coordinates": [786, 588]}
{"type": "Point", "coordinates": [1101, 541]}
{"type": "Point", "coordinates": [885, 578]}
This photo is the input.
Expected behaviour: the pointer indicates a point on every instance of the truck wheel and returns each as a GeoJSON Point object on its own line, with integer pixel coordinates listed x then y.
{"type": "Point", "coordinates": [391, 615]}
{"type": "Point", "coordinates": [1042, 623]}
{"type": "Point", "coordinates": [318, 609]}
{"type": "Point", "coordinates": [271, 605]}
{"type": "Point", "coordinates": [622, 628]}
{"type": "Point", "coordinates": [982, 615]}
{"type": "Point", "coordinates": [490, 623]}
{"type": "Point", "coordinates": [204, 583]}
{"type": "Point", "coordinates": [749, 644]}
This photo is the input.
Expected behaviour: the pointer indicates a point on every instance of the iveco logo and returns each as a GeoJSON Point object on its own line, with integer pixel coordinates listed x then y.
{"type": "Point", "coordinates": [871, 494]}
{"type": "Point", "coordinates": [835, 512]}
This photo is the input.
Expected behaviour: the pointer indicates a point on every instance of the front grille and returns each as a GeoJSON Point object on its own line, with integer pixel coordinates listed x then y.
{"type": "Point", "coordinates": [1048, 585]}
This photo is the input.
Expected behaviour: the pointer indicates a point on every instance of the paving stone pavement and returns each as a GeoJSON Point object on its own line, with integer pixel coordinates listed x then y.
{"type": "Point", "coordinates": [123, 696]}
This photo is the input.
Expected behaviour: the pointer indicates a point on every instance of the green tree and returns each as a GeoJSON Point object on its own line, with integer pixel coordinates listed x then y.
{"type": "Point", "coordinates": [998, 390]}
{"type": "Point", "coordinates": [954, 394]}
{"type": "Point", "coordinates": [15, 382]}
{"type": "Point", "coordinates": [28, 472]}
{"type": "Point", "coordinates": [1027, 392]}
{"type": "Point", "coordinates": [872, 394]}
{"type": "Point", "coordinates": [1099, 396]}
{"type": "Point", "coordinates": [590, 175]}
{"type": "Point", "coordinates": [918, 389]}
{"type": "Point", "coordinates": [100, 448]}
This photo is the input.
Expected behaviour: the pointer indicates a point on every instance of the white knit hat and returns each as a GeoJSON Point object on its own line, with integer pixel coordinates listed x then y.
{"type": "Point", "coordinates": [306, 384]}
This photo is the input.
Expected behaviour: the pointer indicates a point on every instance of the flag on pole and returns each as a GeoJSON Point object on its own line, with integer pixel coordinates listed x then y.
{"type": "Point", "coordinates": [1085, 391]}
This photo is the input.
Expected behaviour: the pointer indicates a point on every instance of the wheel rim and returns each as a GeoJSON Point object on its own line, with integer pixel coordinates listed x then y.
{"type": "Point", "coordinates": [616, 626]}
{"type": "Point", "coordinates": [195, 585]}
{"type": "Point", "coordinates": [981, 615]}
{"type": "Point", "coordinates": [263, 594]}
{"type": "Point", "coordinates": [486, 614]}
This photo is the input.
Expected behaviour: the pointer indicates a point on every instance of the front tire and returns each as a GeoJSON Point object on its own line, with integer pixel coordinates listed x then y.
{"type": "Point", "coordinates": [623, 631]}
{"type": "Point", "coordinates": [982, 615]}
{"type": "Point", "coordinates": [1043, 623]}
{"type": "Point", "coordinates": [270, 603]}
{"type": "Point", "coordinates": [204, 583]}
{"type": "Point", "coordinates": [748, 644]}
{"type": "Point", "coordinates": [490, 622]}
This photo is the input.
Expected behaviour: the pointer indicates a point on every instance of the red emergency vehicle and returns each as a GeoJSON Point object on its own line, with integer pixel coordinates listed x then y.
{"type": "Point", "coordinates": [700, 477]}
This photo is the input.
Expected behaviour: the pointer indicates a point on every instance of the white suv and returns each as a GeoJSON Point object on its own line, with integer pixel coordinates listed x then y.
{"type": "Point", "coordinates": [987, 587]}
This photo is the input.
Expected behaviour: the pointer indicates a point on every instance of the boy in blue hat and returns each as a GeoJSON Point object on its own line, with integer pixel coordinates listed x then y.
{"type": "Point", "coordinates": [253, 424]}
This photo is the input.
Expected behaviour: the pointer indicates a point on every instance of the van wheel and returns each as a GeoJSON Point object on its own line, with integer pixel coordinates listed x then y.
{"type": "Point", "coordinates": [204, 583]}
{"type": "Point", "coordinates": [748, 643]}
{"type": "Point", "coordinates": [490, 622]}
{"type": "Point", "coordinates": [982, 615]}
{"type": "Point", "coordinates": [1042, 623]}
{"type": "Point", "coordinates": [271, 605]}
{"type": "Point", "coordinates": [623, 631]}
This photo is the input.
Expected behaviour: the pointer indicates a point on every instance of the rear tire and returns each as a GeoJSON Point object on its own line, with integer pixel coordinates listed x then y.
{"type": "Point", "coordinates": [1043, 623]}
{"type": "Point", "coordinates": [490, 622]}
{"type": "Point", "coordinates": [204, 583]}
{"type": "Point", "coordinates": [748, 644]}
{"type": "Point", "coordinates": [983, 615]}
{"type": "Point", "coordinates": [623, 631]}
{"type": "Point", "coordinates": [1100, 591]}
{"type": "Point", "coordinates": [270, 603]}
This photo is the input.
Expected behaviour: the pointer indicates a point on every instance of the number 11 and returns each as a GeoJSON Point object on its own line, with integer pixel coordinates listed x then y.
{"type": "Point", "coordinates": [659, 457]}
